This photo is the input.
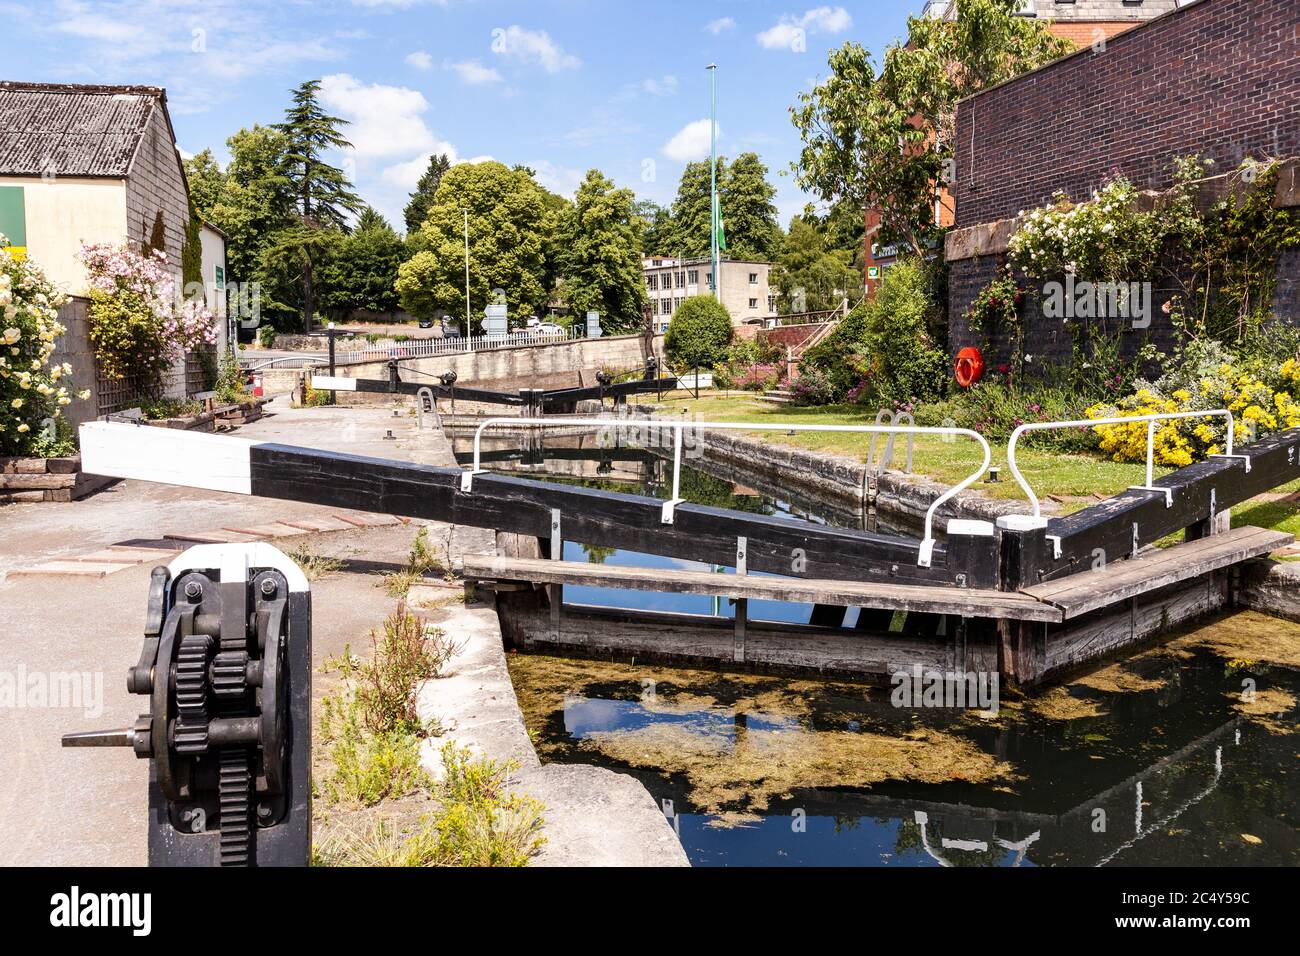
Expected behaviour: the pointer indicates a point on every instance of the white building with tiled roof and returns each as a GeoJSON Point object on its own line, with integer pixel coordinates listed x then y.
{"type": "Point", "coordinates": [85, 164]}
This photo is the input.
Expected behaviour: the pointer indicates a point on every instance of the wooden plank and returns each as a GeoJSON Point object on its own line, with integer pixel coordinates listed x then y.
{"type": "Point", "coordinates": [695, 639]}
{"type": "Point", "coordinates": [1119, 581]}
{"type": "Point", "coordinates": [964, 602]}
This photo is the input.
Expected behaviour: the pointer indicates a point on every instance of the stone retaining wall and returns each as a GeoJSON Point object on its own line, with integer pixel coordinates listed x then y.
{"type": "Point", "coordinates": [46, 479]}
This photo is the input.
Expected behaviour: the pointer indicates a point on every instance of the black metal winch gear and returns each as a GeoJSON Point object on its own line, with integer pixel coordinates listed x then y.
{"type": "Point", "coordinates": [223, 723]}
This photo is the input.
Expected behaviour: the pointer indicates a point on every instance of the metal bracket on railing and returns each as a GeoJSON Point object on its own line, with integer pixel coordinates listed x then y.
{"type": "Point", "coordinates": [1167, 492]}
{"type": "Point", "coordinates": [926, 551]}
{"type": "Point", "coordinates": [1150, 421]}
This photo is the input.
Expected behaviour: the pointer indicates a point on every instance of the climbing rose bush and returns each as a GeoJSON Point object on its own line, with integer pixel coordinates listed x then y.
{"type": "Point", "coordinates": [33, 390]}
{"type": "Point", "coordinates": [138, 324]}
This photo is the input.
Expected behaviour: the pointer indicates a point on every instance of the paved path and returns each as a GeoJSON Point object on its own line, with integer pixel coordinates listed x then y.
{"type": "Point", "coordinates": [87, 806]}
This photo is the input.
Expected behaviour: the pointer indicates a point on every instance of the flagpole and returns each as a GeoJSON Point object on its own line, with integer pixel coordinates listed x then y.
{"type": "Point", "coordinates": [713, 180]}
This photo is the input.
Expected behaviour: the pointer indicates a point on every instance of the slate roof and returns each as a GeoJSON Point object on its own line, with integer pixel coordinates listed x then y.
{"type": "Point", "coordinates": [72, 130]}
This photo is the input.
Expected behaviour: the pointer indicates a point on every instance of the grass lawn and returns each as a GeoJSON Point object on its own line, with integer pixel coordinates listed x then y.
{"type": "Point", "coordinates": [1072, 478]}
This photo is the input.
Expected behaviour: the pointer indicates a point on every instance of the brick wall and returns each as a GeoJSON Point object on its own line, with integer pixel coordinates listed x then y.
{"type": "Point", "coordinates": [1217, 78]}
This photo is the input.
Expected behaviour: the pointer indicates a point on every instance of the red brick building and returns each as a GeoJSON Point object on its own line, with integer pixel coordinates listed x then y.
{"type": "Point", "coordinates": [1084, 23]}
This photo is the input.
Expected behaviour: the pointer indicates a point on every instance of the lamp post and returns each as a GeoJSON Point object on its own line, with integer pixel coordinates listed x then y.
{"type": "Point", "coordinates": [468, 327]}
{"type": "Point", "coordinates": [713, 179]}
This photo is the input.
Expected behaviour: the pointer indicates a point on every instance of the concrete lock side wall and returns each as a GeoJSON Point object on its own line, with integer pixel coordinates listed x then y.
{"type": "Point", "coordinates": [553, 365]}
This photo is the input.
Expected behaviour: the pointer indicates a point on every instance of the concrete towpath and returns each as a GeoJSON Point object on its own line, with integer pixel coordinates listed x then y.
{"type": "Point", "coordinates": [67, 642]}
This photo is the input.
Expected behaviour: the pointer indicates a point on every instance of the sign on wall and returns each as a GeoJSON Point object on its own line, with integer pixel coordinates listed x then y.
{"type": "Point", "coordinates": [13, 220]}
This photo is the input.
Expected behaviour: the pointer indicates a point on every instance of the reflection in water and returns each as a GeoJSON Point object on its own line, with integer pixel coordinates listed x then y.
{"type": "Point", "coordinates": [765, 770]}
{"type": "Point", "coordinates": [1156, 760]}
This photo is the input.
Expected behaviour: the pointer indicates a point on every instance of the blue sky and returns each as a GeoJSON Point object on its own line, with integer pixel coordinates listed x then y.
{"type": "Point", "coordinates": [559, 85]}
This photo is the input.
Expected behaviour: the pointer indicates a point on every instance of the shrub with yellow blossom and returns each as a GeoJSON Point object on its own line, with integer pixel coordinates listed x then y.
{"type": "Point", "coordinates": [33, 390]}
{"type": "Point", "coordinates": [1258, 407]}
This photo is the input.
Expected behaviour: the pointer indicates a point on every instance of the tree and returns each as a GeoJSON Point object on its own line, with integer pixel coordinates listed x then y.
{"type": "Point", "coordinates": [425, 190]}
{"type": "Point", "coordinates": [699, 333]}
{"type": "Point", "coordinates": [656, 225]}
{"type": "Point", "coordinates": [748, 212]}
{"type": "Point", "coordinates": [811, 275]}
{"type": "Point", "coordinates": [250, 201]}
{"type": "Point", "coordinates": [206, 181]}
{"type": "Point", "coordinates": [884, 139]}
{"type": "Point", "coordinates": [323, 194]}
{"type": "Point", "coordinates": [507, 213]}
{"type": "Point", "coordinates": [361, 271]}
{"type": "Point", "coordinates": [689, 236]}
{"type": "Point", "coordinates": [601, 261]}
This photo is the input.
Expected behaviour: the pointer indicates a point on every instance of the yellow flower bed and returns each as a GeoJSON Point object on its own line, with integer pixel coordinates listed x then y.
{"type": "Point", "coordinates": [1257, 409]}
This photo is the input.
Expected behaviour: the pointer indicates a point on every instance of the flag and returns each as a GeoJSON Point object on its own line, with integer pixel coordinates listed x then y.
{"type": "Point", "coordinates": [717, 217]}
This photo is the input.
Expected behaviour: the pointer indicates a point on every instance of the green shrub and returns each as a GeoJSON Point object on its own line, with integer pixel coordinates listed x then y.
{"type": "Point", "coordinates": [266, 336]}
{"type": "Point", "coordinates": [409, 653]}
{"type": "Point", "coordinates": [884, 350]}
{"type": "Point", "coordinates": [699, 333]}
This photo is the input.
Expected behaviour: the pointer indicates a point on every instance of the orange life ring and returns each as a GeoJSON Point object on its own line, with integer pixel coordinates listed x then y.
{"type": "Point", "coordinates": [969, 366]}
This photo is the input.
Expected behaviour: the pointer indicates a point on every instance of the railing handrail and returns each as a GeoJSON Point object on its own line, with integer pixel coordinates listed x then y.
{"type": "Point", "coordinates": [1117, 420]}
{"type": "Point", "coordinates": [678, 427]}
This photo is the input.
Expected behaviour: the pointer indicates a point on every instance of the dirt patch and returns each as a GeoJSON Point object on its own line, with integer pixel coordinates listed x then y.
{"type": "Point", "coordinates": [1059, 704]}
{"type": "Point", "coordinates": [1265, 707]}
{"type": "Point", "coordinates": [1120, 678]}
{"type": "Point", "coordinates": [747, 769]}
{"type": "Point", "coordinates": [1248, 636]}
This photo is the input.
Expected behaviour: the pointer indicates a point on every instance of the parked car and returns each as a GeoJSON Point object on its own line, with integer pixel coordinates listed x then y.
{"type": "Point", "coordinates": [547, 328]}
{"type": "Point", "coordinates": [426, 323]}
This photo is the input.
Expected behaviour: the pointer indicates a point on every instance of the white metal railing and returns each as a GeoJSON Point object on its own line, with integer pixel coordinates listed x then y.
{"type": "Point", "coordinates": [454, 345]}
{"type": "Point", "coordinates": [1129, 420]}
{"type": "Point", "coordinates": [679, 427]}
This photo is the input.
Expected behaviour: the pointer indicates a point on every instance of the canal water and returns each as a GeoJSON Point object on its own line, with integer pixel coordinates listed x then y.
{"type": "Point", "coordinates": [1183, 754]}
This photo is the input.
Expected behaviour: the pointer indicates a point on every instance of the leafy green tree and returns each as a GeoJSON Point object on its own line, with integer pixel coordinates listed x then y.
{"type": "Point", "coordinates": [811, 275]}
{"type": "Point", "coordinates": [885, 346]}
{"type": "Point", "coordinates": [748, 212]}
{"type": "Point", "coordinates": [883, 138]}
{"type": "Point", "coordinates": [601, 262]}
{"type": "Point", "coordinates": [206, 180]}
{"type": "Point", "coordinates": [250, 201]}
{"type": "Point", "coordinates": [689, 235]}
{"type": "Point", "coordinates": [656, 226]}
{"type": "Point", "coordinates": [361, 272]}
{"type": "Point", "coordinates": [507, 213]}
{"type": "Point", "coordinates": [425, 190]}
{"type": "Point", "coordinates": [323, 193]}
{"type": "Point", "coordinates": [699, 333]}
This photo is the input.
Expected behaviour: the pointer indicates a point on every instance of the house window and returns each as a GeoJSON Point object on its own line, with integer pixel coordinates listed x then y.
{"type": "Point", "coordinates": [652, 282]}
{"type": "Point", "coordinates": [771, 303]}
{"type": "Point", "coordinates": [693, 277]}
{"type": "Point", "coordinates": [753, 303]}
{"type": "Point", "coordinates": [753, 278]}
{"type": "Point", "coordinates": [681, 280]}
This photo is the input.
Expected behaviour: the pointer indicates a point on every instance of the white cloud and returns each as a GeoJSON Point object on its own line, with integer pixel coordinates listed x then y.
{"type": "Point", "coordinates": [789, 33]}
{"type": "Point", "coordinates": [420, 60]}
{"type": "Point", "coordinates": [386, 120]}
{"type": "Point", "coordinates": [532, 46]}
{"type": "Point", "coordinates": [692, 142]}
{"type": "Point", "coordinates": [472, 72]}
{"type": "Point", "coordinates": [719, 25]}
{"type": "Point", "coordinates": [563, 180]}
{"type": "Point", "coordinates": [667, 86]}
